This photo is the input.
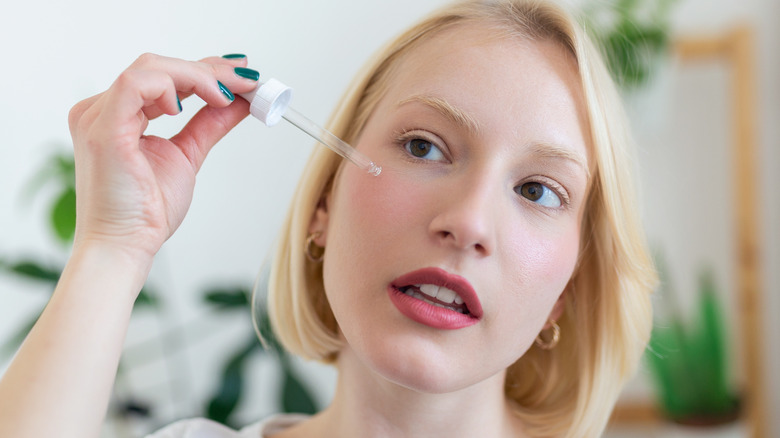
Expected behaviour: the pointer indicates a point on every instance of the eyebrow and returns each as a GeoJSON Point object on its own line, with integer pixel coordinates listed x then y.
{"type": "Point", "coordinates": [540, 149]}
{"type": "Point", "coordinates": [552, 150]}
{"type": "Point", "coordinates": [446, 109]}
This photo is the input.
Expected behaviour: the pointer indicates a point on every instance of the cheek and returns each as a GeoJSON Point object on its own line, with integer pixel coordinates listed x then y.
{"type": "Point", "coordinates": [543, 264]}
{"type": "Point", "coordinates": [551, 258]}
{"type": "Point", "coordinates": [382, 208]}
{"type": "Point", "coordinates": [372, 224]}
{"type": "Point", "coordinates": [371, 221]}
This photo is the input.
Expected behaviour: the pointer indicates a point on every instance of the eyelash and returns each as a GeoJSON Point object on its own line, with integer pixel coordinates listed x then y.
{"type": "Point", "coordinates": [403, 137]}
{"type": "Point", "coordinates": [551, 184]}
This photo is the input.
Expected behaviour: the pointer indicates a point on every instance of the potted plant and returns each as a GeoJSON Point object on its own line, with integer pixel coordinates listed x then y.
{"type": "Point", "coordinates": [688, 359]}
{"type": "Point", "coordinates": [632, 34]}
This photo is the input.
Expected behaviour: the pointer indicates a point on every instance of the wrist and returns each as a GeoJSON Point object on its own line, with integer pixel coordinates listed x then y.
{"type": "Point", "coordinates": [128, 267]}
{"type": "Point", "coordinates": [116, 248]}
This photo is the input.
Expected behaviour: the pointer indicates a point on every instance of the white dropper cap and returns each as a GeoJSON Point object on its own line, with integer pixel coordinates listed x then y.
{"type": "Point", "coordinates": [269, 101]}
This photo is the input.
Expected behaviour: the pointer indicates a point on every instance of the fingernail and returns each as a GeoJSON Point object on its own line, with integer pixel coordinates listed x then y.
{"type": "Point", "coordinates": [247, 73]}
{"type": "Point", "coordinates": [234, 56]}
{"type": "Point", "coordinates": [178, 101]}
{"type": "Point", "coordinates": [225, 91]}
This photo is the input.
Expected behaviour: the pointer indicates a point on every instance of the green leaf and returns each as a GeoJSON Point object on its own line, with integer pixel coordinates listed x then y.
{"type": "Point", "coordinates": [231, 386]}
{"type": "Point", "coordinates": [66, 169]}
{"type": "Point", "coordinates": [266, 331]}
{"type": "Point", "coordinates": [147, 298]}
{"type": "Point", "coordinates": [689, 364]}
{"type": "Point", "coordinates": [224, 402]}
{"type": "Point", "coordinates": [32, 270]}
{"type": "Point", "coordinates": [228, 298]}
{"type": "Point", "coordinates": [295, 397]}
{"type": "Point", "coordinates": [59, 168]}
{"type": "Point", "coordinates": [632, 38]}
{"type": "Point", "coordinates": [712, 350]}
{"type": "Point", "coordinates": [666, 359]}
{"type": "Point", "coordinates": [63, 215]}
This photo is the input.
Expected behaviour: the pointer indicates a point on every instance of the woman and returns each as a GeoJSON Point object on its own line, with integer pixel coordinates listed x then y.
{"type": "Point", "coordinates": [492, 281]}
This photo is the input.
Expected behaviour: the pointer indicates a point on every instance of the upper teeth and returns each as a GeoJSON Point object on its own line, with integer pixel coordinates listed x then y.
{"type": "Point", "coordinates": [442, 294]}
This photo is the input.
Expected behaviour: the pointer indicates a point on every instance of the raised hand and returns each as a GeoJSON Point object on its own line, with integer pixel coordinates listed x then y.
{"type": "Point", "coordinates": [134, 190]}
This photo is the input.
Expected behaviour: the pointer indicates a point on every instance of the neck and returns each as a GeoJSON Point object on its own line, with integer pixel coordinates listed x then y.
{"type": "Point", "coordinates": [366, 404]}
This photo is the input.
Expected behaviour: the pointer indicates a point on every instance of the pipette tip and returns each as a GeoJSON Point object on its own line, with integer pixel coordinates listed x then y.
{"type": "Point", "coordinates": [373, 169]}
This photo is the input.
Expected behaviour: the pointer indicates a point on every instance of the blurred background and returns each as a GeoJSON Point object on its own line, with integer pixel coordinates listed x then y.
{"type": "Point", "coordinates": [191, 349]}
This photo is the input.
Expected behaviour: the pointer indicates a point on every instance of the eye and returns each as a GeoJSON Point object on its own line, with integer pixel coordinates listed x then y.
{"type": "Point", "coordinates": [539, 193]}
{"type": "Point", "coordinates": [421, 148]}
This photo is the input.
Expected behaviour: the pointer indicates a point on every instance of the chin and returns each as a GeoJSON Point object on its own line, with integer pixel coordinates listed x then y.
{"type": "Point", "coordinates": [426, 371]}
{"type": "Point", "coordinates": [426, 382]}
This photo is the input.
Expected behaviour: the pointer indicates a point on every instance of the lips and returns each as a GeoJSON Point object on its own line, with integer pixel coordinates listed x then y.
{"type": "Point", "coordinates": [436, 298]}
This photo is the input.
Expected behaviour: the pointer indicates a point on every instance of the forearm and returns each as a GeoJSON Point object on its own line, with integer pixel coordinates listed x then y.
{"type": "Point", "coordinates": [60, 381]}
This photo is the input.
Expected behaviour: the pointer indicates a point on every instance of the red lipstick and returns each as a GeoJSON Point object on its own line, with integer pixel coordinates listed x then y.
{"type": "Point", "coordinates": [405, 294]}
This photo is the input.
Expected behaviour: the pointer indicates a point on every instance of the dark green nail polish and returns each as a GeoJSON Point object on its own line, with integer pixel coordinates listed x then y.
{"type": "Point", "coordinates": [234, 56]}
{"type": "Point", "coordinates": [225, 91]}
{"type": "Point", "coordinates": [178, 101]}
{"type": "Point", "coordinates": [247, 73]}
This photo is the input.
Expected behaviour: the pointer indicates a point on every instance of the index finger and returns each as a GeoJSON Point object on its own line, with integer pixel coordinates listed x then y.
{"type": "Point", "coordinates": [157, 80]}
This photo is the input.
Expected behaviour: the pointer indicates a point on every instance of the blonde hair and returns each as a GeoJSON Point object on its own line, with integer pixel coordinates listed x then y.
{"type": "Point", "coordinates": [570, 390]}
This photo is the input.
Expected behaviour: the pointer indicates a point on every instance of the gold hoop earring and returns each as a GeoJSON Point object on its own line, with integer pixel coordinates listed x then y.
{"type": "Point", "coordinates": [553, 341]}
{"type": "Point", "coordinates": [309, 246]}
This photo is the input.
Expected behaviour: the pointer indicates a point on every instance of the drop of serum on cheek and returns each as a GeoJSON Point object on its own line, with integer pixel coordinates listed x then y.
{"type": "Point", "coordinates": [270, 102]}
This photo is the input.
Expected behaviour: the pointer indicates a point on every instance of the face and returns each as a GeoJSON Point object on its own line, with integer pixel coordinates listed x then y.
{"type": "Point", "coordinates": [482, 144]}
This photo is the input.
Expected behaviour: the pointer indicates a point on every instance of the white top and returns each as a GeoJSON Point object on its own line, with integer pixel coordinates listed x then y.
{"type": "Point", "coordinates": [269, 101]}
{"type": "Point", "coordinates": [204, 428]}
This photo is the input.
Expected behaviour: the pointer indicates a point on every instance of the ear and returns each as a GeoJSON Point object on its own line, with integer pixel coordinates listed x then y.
{"type": "Point", "coordinates": [319, 221]}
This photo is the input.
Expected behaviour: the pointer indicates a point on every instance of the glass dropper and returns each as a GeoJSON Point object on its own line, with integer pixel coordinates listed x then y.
{"type": "Point", "coordinates": [270, 102]}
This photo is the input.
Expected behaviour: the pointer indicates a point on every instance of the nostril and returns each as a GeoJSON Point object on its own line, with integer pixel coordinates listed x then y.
{"type": "Point", "coordinates": [453, 239]}
{"type": "Point", "coordinates": [463, 229]}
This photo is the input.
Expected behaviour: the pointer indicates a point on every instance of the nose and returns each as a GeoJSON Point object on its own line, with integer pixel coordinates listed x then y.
{"type": "Point", "coordinates": [465, 217]}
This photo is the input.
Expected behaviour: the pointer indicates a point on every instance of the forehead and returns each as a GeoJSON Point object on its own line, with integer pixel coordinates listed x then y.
{"type": "Point", "coordinates": [498, 78]}
{"type": "Point", "coordinates": [463, 45]}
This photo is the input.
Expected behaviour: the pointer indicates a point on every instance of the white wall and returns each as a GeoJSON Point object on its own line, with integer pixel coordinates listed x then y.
{"type": "Point", "coordinates": [56, 53]}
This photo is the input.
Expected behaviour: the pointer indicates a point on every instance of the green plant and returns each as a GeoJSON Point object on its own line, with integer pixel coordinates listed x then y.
{"type": "Point", "coordinates": [689, 362]}
{"type": "Point", "coordinates": [58, 172]}
{"type": "Point", "coordinates": [292, 394]}
{"type": "Point", "coordinates": [633, 35]}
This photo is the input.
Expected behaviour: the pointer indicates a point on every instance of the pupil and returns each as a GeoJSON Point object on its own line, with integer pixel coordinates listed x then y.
{"type": "Point", "coordinates": [419, 148]}
{"type": "Point", "coordinates": [532, 191]}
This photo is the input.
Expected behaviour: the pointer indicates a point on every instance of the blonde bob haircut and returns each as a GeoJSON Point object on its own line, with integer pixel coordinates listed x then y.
{"type": "Point", "coordinates": [570, 390]}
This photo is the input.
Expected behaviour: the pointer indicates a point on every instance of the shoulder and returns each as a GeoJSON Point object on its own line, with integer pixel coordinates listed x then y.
{"type": "Point", "coordinates": [204, 428]}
